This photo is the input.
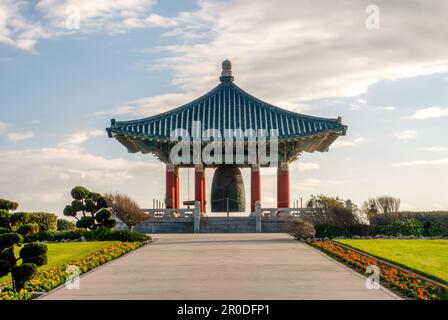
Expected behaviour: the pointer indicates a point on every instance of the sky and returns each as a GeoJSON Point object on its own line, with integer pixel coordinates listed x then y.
{"type": "Point", "coordinates": [380, 65]}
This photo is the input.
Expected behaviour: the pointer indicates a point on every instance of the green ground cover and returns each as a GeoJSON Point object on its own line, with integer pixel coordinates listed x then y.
{"type": "Point", "coordinates": [59, 253]}
{"type": "Point", "coordinates": [427, 257]}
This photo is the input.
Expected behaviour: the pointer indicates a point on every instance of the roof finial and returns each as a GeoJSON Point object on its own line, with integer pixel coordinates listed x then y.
{"type": "Point", "coordinates": [226, 74]}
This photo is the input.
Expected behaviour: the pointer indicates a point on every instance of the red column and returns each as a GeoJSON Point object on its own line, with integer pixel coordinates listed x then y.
{"type": "Point", "coordinates": [283, 185]}
{"type": "Point", "coordinates": [176, 186]}
{"type": "Point", "coordinates": [170, 194]}
{"type": "Point", "coordinates": [255, 186]}
{"type": "Point", "coordinates": [199, 186]}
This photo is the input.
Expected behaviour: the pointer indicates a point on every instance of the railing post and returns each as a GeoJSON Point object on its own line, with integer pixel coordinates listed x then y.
{"type": "Point", "coordinates": [257, 216]}
{"type": "Point", "coordinates": [197, 216]}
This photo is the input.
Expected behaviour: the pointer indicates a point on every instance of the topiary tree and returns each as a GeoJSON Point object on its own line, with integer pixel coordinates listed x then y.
{"type": "Point", "coordinates": [92, 207]}
{"type": "Point", "coordinates": [64, 225]}
{"type": "Point", "coordinates": [32, 254]}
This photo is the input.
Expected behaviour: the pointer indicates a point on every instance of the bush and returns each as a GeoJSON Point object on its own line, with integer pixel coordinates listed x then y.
{"type": "Point", "coordinates": [104, 234]}
{"type": "Point", "coordinates": [63, 225]}
{"type": "Point", "coordinates": [19, 218]}
{"type": "Point", "coordinates": [28, 230]}
{"type": "Point", "coordinates": [126, 209]}
{"type": "Point", "coordinates": [85, 222]}
{"type": "Point", "coordinates": [58, 235]}
{"type": "Point", "coordinates": [3, 230]}
{"type": "Point", "coordinates": [301, 229]}
{"type": "Point", "coordinates": [45, 221]}
{"type": "Point", "coordinates": [34, 253]}
{"type": "Point", "coordinates": [92, 206]}
{"type": "Point", "coordinates": [409, 227]}
{"type": "Point", "coordinates": [8, 205]}
{"type": "Point", "coordinates": [23, 273]}
{"type": "Point", "coordinates": [331, 231]}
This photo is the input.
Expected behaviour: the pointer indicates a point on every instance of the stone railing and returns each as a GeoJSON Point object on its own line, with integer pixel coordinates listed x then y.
{"type": "Point", "coordinates": [177, 214]}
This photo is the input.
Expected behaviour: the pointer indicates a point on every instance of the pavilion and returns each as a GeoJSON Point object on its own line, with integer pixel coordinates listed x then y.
{"type": "Point", "coordinates": [227, 108]}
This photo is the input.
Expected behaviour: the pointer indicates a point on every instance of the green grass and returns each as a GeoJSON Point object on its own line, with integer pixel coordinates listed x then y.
{"type": "Point", "coordinates": [427, 257]}
{"type": "Point", "coordinates": [60, 253]}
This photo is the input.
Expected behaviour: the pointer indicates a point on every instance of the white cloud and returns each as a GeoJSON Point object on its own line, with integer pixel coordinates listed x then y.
{"type": "Point", "coordinates": [97, 133]}
{"type": "Point", "coordinates": [4, 127]}
{"type": "Point", "coordinates": [20, 135]}
{"type": "Point", "coordinates": [422, 163]}
{"type": "Point", "coordinates": [406, 135]}
{"type": "Point", "coordinates": [149, 106]}
{"type": "Point", "coordinates": [436, 149]}
{"type": "Point", "coordinates": [15, 29]}
{"type": "Point", "coordinates": [304, 166]}
{"type": "Point", "coordinates": [78, 137]}
{"type": "Point", "coordinates": [343, 143]}
{"type": "Point", "coordinates": [385, 108]}
{"type": "Point", "coordinates": [50, 173]}
{"type": "Point", "coordinates": [428, 113]}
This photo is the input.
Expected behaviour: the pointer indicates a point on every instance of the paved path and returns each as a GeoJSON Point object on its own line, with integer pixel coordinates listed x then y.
{"type": "Point", "coordinates": [223, 266]}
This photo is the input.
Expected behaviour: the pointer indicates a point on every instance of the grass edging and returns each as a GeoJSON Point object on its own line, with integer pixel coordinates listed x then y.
{"type": "Point", "coordinates": [404, 284]}
{"type": "Point", "coordinates": [54, 277]}
{"type": "Point", "coordinates": [423, 275]}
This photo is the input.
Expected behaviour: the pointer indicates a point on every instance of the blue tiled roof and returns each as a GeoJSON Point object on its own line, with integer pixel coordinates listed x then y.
{"type": "Point", "coordinates": [228, 107]}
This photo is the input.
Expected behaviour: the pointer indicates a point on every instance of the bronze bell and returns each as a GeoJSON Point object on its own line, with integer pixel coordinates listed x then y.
{"type": "Point", "coordinates": [228, 190]}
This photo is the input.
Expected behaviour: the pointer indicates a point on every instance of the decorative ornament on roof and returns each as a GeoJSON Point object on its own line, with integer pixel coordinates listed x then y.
{"type": "Point", "coordinates": [226, 74]}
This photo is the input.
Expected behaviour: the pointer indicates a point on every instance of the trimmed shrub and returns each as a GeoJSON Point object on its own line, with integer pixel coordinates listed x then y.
{"type": "Point", "coordinates": [8, 205]}
{"type": "Point", "coordinates": [28, 230]}
{"type": "Point", "coordinates": [64, 225]}
{"type": "Point", "coordinates": [34, 253]}
{"type": "Point", "coordinates": [45, 221]}
{"type": "Point", "coordinates": [10, 239]}
{"type": "Point", "coordinates": [85, 222]}
{"type": "Point", "coordinates": [331, 231]}
{"type": "Point", "coordinates": [104, 234]}
{"type": "Point", "coordinates": [58, 235]}
{"type": "Point", "coordinates": [409, 227]}
{"type": "Point", "coordinates": [93, 208]}
{"type": "Point", "coordinates": [19, 218]}
{"type": "Point", "coordinates": [23, 273]}
{"type": "Point", "coordinates": [301, 229]}
{"type": "Point", "coordinates": [4, 219]}
{"type": "Point", "coordinates": [3, 230]}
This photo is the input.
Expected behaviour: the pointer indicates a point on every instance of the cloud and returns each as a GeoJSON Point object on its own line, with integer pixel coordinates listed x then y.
{"type": "Point", "coordinates": [422, 163]}
{"type": "Point", "coordinates": [385, 108]}
{"type": "Point", "coordinates": [304, 166]}
{"type": "Point", "coordinates": [15, 29]}
{"type": "Point", "coordinates": [343, 143]}
{"type": "Point", "coordinates": [406, 135]}
{"type": "Point", "coordinates": [4, 127]}
{"type": "Point", "coordinates": [436, 149]}
{"type": "Point", "coordinates": [19, 30]}
{"type": "Point", "coordinates": [149, 106]}
{"type": "Point", "coordinates": [50, 173]}
{"type": "Point", "coordinates": [78, 137]}
{"type": "Point", "coordinates": [428, 113]}
{"type": "Point", "coordinates": [20, 135]}
{"type": "Point", "coordinates": [312, 184]}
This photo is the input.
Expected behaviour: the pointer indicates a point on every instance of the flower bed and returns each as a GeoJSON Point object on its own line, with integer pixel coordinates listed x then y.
{"type": "Point", "coordinates": [407, 284]}
{"type": "Point", "coordinates": [53, 277]}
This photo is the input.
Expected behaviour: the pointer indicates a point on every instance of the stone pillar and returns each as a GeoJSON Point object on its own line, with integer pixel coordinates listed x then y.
{"type": "Point", "coordinates": [170, 194]}
{"type": "Point", "coordinates": [255, 186]}
{"type": "Point", "coordinates": [197, 217]}
{"type": "Point", "coordinates": [177, 188]}
{"type": "Point", "coordinates": [257, 216]}
{"type": "Point", "coordinates": [283, 185]}
{"type": "Point", "coordinates": [199, 185]}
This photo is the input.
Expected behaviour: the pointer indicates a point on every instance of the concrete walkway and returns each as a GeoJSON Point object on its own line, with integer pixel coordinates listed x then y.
{"type": "Point", "coordinates": [223, 266]}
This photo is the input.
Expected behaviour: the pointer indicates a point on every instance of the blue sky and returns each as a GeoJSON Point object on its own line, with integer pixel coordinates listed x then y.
{"type": "Point", "coordinates": [59, 89]}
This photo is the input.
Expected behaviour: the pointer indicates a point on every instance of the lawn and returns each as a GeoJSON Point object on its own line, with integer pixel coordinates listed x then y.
{"type": "Point", "coordinates": [59, 253]}
{"type": "Point", "coordinates": [428, 257]}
